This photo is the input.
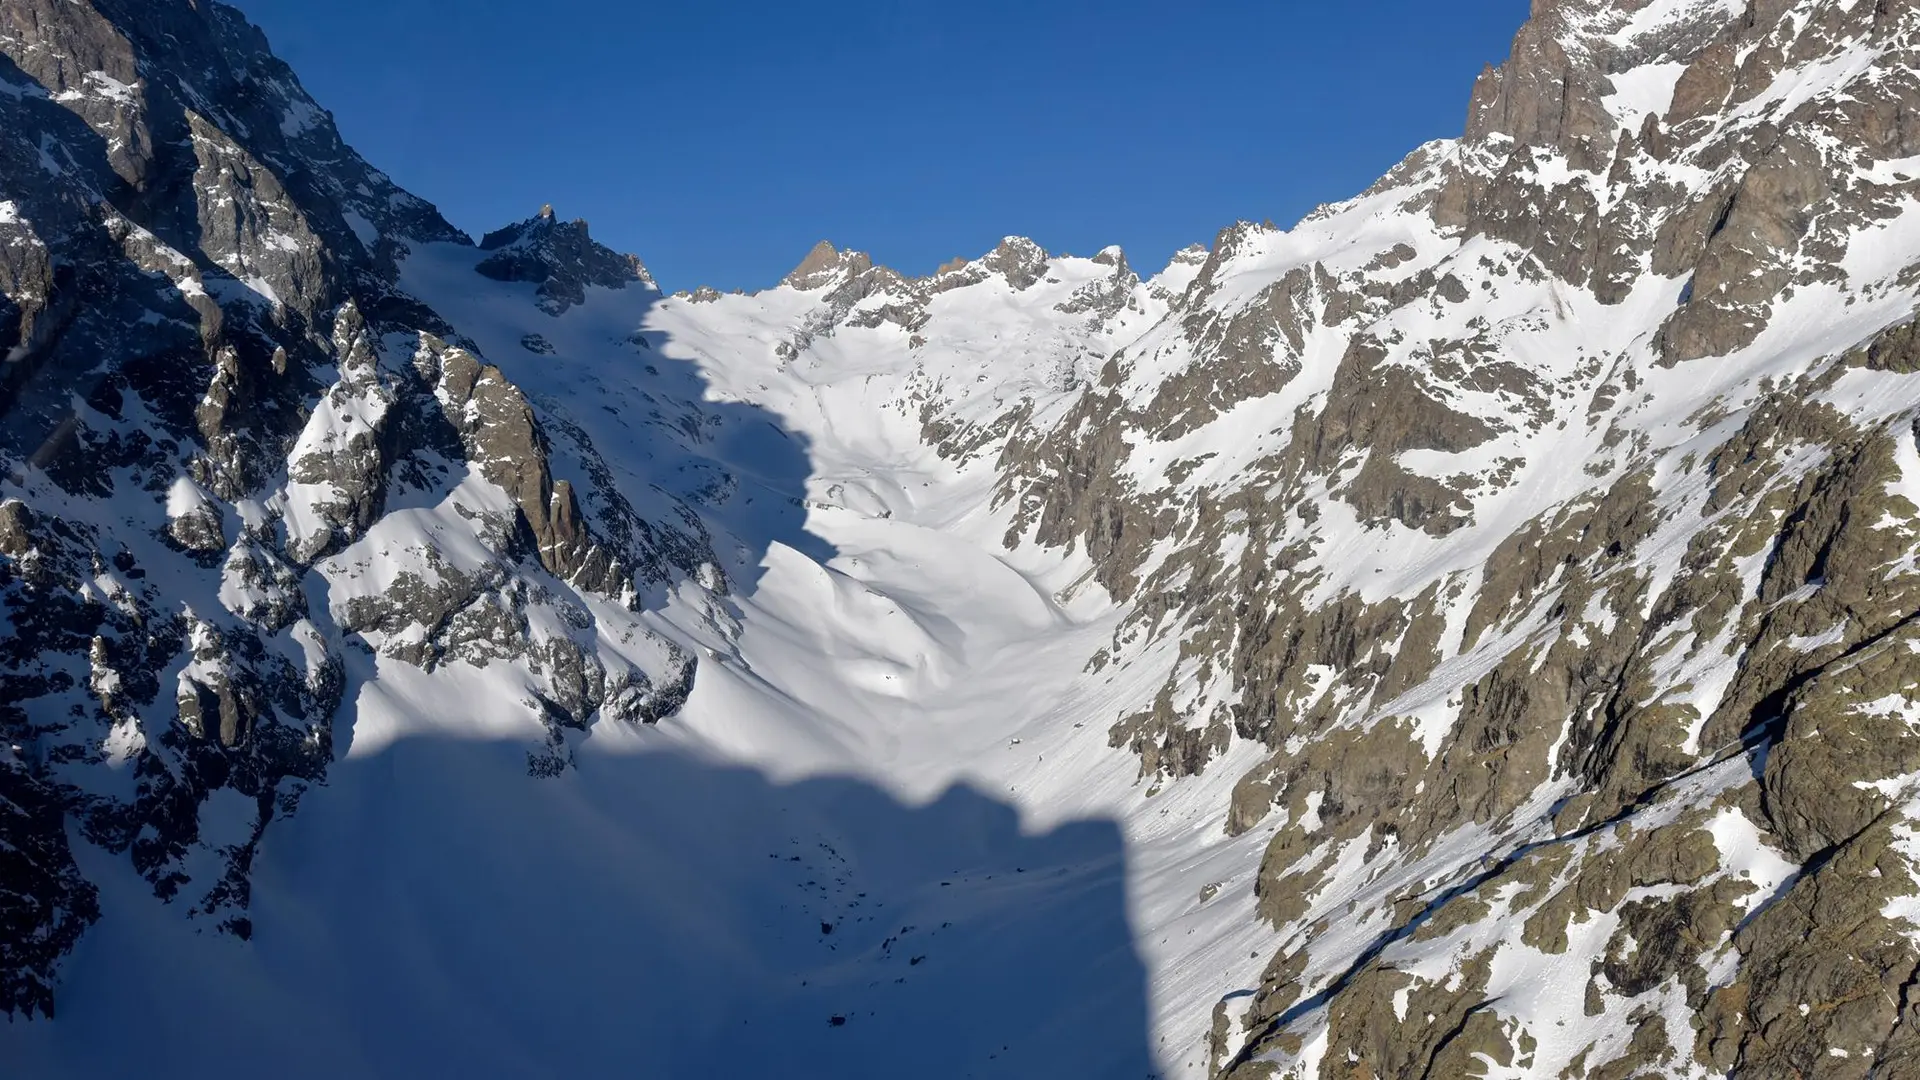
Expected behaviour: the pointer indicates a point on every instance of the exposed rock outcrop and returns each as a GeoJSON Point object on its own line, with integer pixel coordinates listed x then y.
{"type": "Point", "coordinates": [560, 258]}
{"type": "Point", "coordinates": [210, 410]}
{"type": "Point", "coordinates": [1520, 558]}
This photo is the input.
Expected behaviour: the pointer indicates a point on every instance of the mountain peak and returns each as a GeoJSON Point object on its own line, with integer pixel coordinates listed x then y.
{"type": "Point", "coordinates": [521, 232]}
{"type": "Point", "coordinates": [561, 257]}
{"type": "Point", "coordinates": [1018, 259]}
{"type": "Point", "coordinates": [1112, 255]}
{"type": "Point", "coordinates": [826, 266]}
{"type": "Point", "coordinates": [1191, 255]}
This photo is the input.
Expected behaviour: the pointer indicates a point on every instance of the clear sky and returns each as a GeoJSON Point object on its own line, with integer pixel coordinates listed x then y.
{"type": "Point", "coordinates": [719, 140]}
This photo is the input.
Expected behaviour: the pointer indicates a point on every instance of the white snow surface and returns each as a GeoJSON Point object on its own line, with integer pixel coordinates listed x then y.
{"type": "Point", "coordinates": [892, 734]}
{"type": "Point", "coordinates": [891, 797]}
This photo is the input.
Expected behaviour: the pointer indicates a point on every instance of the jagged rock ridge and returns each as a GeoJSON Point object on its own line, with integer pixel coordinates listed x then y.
{"type": "Point", "coordinates": [215, 394]}
{"type": "Point", "coordinates": [1574, 542]}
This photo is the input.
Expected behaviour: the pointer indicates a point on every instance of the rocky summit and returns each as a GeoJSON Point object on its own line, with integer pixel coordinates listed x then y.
{"type": "Point", "coordinates": [1472, 633]}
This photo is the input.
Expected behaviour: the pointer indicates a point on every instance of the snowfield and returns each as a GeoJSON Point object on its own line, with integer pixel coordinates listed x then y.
{"type": "Point", "coordinates": [890, 798]}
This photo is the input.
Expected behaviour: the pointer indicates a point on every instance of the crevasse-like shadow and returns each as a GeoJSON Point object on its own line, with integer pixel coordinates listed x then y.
{"type": "Point", "coordinates": [434, 912]}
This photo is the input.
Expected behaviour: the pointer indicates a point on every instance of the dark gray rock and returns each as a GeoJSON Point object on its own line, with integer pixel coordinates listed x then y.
{"type": "Point", "coordinates": [198, 314]}
{"type": "Point", "coordinates": [560, 258]}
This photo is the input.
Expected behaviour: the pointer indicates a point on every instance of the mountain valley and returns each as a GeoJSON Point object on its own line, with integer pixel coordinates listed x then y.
{"type": "Point", "coordinates": [1472, 633]}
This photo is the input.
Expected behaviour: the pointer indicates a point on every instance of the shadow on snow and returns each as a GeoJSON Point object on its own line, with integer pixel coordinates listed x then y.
{"type": "Point", "coordinates": [435, 912]}
{"type": "Point", "coordinates": [431, 910]}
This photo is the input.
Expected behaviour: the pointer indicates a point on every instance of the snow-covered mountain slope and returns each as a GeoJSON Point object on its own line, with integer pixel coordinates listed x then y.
{"type": "Point", "coordinates": [1470, 633]}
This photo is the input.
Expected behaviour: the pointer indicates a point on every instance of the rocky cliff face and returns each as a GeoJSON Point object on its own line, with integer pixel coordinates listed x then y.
{"type": "Point", "coordinates": [559, 258]}
{"type": "Point", "coordinates": [1518, 560]}
{"type": "Point", "coordinates": [1566, 580]}
{"type": "Point", "coordinates": [217, 408]}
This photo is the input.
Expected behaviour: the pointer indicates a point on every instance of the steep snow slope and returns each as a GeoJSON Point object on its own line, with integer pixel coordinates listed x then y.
{"type": "Point", "coordinates": [959, 898]}
{"type": "Point", "coordinates": [896, 639]}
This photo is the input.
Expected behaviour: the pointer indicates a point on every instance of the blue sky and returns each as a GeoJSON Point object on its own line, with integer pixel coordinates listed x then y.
{"type": "Point", "coordinates": [719, 141]}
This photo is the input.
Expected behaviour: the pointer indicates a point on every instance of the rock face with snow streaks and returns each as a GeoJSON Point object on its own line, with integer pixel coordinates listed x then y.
{"type": "Point", "coordinates": [215, 399]}
{"type": "Point", "coordinates": [560, 258]}
{"type": "Point", "coordinates": [1576, 536]}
